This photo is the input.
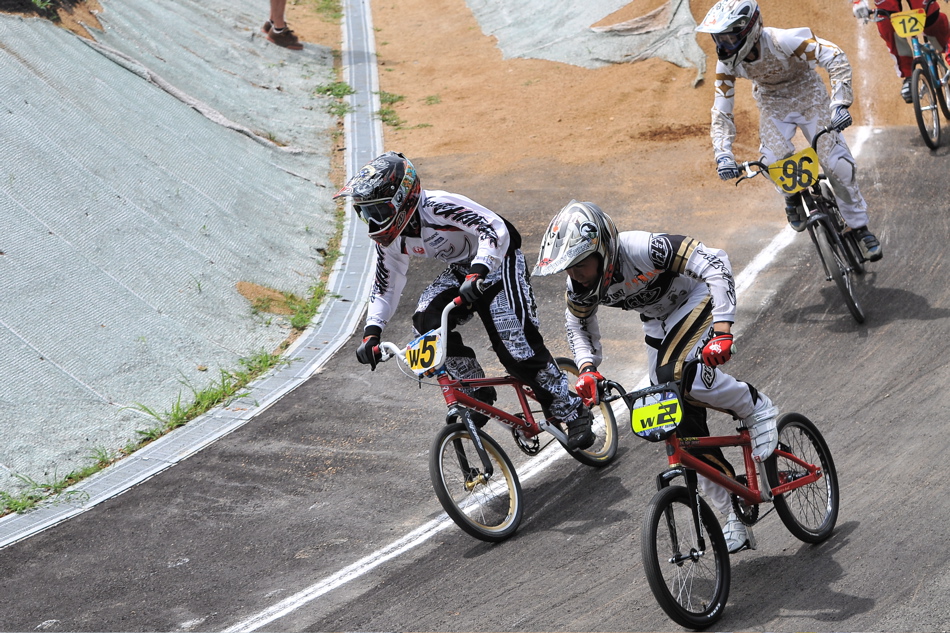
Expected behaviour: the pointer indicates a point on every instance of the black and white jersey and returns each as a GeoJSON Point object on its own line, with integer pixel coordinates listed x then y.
{"type": "Point", "coordinates": [451, 228]}
{"type": "Point", "coordinates": [662, 277]}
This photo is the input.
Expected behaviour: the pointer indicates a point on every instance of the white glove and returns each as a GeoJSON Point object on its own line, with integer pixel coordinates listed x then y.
{"type": "Point", "coordinates": [840, 118]}
{"type": "Point", "coordinates": [860, 10]}
{"type": "Point", "coordinates": [727, 167]}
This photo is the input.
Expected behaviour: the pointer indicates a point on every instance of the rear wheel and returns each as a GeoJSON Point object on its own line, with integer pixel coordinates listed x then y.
{"type": "Point", "coordinates": [838, 268]}
{"type": "Point", "coordinates": [488, 508]}
{"type": "Point", "coordinates": [809, 512]}
{"type": "Point", "coordinates": [691, 583]}
{"type": "Point", "coordinates": [924, 97]}
{"type": "Point", "coordinates": [604, 425]}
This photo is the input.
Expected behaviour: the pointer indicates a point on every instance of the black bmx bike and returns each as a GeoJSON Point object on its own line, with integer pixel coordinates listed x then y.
{"type": "Point", "coordinates": [837, 245]}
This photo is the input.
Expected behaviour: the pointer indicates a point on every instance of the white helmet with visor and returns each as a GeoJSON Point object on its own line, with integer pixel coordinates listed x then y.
{"type": "Point", "coordinates": [735, 26]}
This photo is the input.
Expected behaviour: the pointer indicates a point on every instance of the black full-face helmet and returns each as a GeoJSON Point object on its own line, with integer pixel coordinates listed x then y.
{"type": "Point", "coordinates": [385, 194]}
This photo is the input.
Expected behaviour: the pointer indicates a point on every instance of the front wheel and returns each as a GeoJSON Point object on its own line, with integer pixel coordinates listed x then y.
{"type": "Point", "coordinates": [924, 96]}
{"type": "Point", "coordinates": [489, 508]}
{"type": "Point", "coordinates": [604, 425]}
{"type": "Point", "coordinates": [691, 583]}
{"type": "Point", "coordinates": [809, 512]}
{"type": "Point", "coordinates": [838, 268]}
{"type": "Point", "coordinates": [943, 80]}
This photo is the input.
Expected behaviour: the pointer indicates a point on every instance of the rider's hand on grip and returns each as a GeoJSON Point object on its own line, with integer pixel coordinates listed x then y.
{"type": "Point", "coordinates": [586, 386]}
{"type": "Point", "coordinates": [368, 352]}
{"type": "Point", "coordinates": [860, 10]}
{"type": "Point", "coordinates": [727, 167]}
{"type": "Point", "coordinates": [472, 288]}
{"type": "Point", "coordinates": [718, 350]}
{"type": "Point", "coordinates": [840, 118]}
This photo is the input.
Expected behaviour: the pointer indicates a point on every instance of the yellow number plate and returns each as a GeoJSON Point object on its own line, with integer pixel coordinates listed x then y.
{"type": "Point", "coordinates": [656, 416]}
{"type": "Point", "coordinates": [422, 355]}
{"type": "Point", "coordinates": [798, 171]}
{"type": "Point", "coordinates": [909, 23]}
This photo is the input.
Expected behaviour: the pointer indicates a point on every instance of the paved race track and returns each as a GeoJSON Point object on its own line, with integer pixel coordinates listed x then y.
{"type": "Point", "coordinates": [337, 471]}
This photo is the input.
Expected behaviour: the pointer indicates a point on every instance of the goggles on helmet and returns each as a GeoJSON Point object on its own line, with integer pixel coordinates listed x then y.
{"type": "Point", "coordinates": [376, 213]}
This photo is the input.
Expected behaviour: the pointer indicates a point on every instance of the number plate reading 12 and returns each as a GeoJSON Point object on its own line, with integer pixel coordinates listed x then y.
{"type": "Point", "coordinates": [422, 354]}
{"type": "Point", "coordinates": [798, 171]}
{"type": "Point", "coordinates": [909, 23]}
{"type": "Point", "coordinates": [654, 417]}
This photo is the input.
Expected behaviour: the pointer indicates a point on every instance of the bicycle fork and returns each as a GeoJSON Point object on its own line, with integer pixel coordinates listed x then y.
{"type": "Point", "coordinates": [473, 476]}
{"type": "Point", "coordinates": [692, 484]}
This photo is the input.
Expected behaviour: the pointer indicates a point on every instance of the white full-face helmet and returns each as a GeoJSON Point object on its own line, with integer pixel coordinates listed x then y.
{"type": "Point", "coordinates": [578, 231]}
{"type": "Point", "coordinates": [735, 26]}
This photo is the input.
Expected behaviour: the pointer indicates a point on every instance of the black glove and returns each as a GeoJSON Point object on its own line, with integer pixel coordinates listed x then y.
{"type": "Point", "coordinates": [365, 352]}
{"type": "Point", "coordinates": [472, 288]}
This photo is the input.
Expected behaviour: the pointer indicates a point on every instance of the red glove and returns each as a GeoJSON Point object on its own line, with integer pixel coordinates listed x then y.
{"type": "Point", "coordinates": [718, 350]}
{"type": "Point", "coordinates": [586, 386]}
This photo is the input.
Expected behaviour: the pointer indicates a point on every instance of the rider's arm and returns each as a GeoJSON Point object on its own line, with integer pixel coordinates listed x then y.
{"type": "Point", "coordinates": [689, 257]}
{"type": "Point", "coordinates": [455, 212]}
{"type": "Point", "coordinates": [391, 267]}
{"type": "Point", "coordinates": [819, 52]}
{"type": "Point", "coordinates": [723, 128]}
{"type": "Point", "coordinates": [583, 336]}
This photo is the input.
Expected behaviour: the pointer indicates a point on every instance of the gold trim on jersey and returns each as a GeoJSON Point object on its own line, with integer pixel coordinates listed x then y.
{"type": "Point", "coordinates": [681, 258]}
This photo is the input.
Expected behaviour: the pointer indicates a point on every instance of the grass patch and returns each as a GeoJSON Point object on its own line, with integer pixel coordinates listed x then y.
{"type": "Point", "coordinates": [337, 91]}
{"type": "Point", "coordinates": [228, 386]}
{"type": "Point", "coordinates": [328, 10]}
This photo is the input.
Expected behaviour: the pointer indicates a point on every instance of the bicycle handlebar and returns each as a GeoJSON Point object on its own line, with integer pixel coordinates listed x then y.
{"type": "Point", "coordinates": [883, 14]}
{"type": "Point", "coordinates": [387, 350]}
{"type": "Point", "coordinates": [608, 387]}
{"type": "Point", "coordinates": [762, 167]}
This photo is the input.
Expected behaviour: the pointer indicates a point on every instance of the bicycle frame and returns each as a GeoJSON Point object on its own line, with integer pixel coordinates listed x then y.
{"type": "Point", "coordinates": [682, 462]}
{"type": "Point", "coordinates": [523, 423]}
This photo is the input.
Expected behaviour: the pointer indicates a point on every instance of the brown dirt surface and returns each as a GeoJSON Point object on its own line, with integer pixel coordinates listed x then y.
{"type": "Point", "coordinates": [641, 130]}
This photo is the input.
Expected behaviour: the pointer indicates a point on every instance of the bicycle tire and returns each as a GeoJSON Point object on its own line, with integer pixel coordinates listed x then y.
{"type": "Point", "coordinates": [809, 512]}
{"type": "Point", "coordinates": [924, 97]}
{"type": "Point", "coordinates": [489, 511]}
{"type": "Point", "coordinates": [943, 83]}
{"type": "Point", "coordinates": [836, 265]}
{"type": "Point", "coordinates": [850, 243]}
{"type": "Point", "coordinates": [692, 591]}
{"type": "Point", "coordinates": [604, 449]}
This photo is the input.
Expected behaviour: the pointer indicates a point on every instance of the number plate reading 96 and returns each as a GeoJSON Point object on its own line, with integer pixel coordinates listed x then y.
{"type": "Point", "coordinates": [423, 354]}
{"type": "Point", "coordinates": [655, 416]}
{"type": "Point", "coordinates": [798, 171]}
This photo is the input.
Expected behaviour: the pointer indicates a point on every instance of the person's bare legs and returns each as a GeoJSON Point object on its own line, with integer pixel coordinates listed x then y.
{"type": "Point", "coordinates": [277, 8]}
{"type": "Point", "coordinates": [276, 29]}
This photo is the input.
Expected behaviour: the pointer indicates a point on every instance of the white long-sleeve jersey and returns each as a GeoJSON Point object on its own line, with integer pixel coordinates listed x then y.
{"type": "Point", "coordinates": [660, 276]}
{"type": "Point", "coordinates": [453, 229]}
{"type": "Point", "coordinates": [784, 77]}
